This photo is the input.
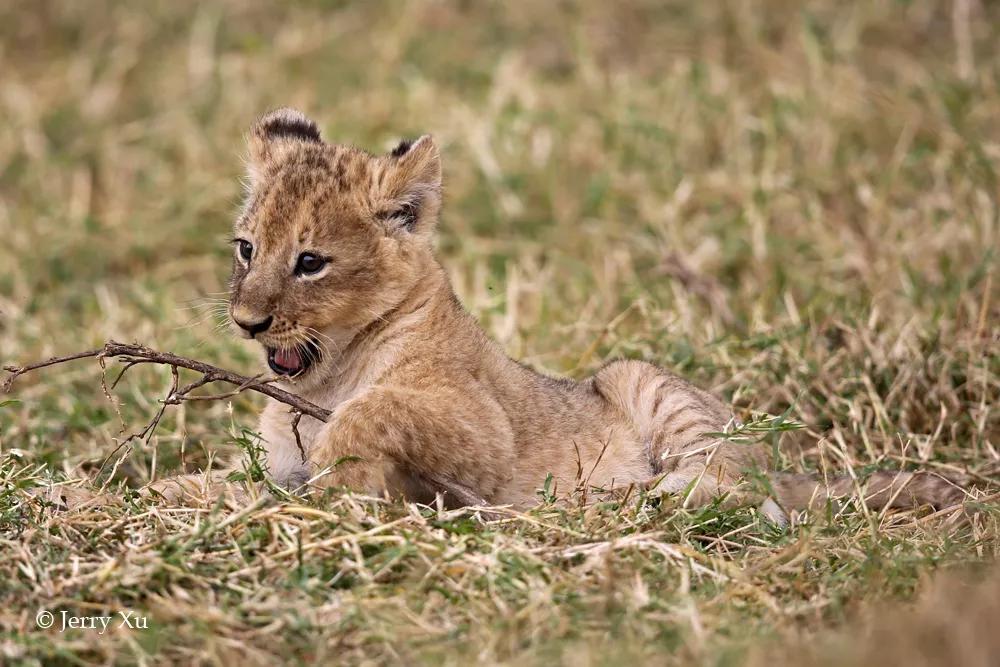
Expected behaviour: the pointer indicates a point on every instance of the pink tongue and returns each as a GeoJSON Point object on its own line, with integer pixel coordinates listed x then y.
{"type": "Point", "coordinates": [289, 359]}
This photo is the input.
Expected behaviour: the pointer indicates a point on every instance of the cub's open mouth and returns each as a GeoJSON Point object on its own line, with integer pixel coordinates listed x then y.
{"type": "Point", "coordinates": [292, 361]}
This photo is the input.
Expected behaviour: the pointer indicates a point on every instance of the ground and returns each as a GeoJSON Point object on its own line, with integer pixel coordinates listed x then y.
{"type": "Point", "coordinates": [795, 206]}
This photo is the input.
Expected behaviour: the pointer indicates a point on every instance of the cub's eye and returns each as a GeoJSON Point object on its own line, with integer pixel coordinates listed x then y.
{"type": "Point", "coordinates": [308, 264]}
{"type": "Point", "coordinates": [245, 248]}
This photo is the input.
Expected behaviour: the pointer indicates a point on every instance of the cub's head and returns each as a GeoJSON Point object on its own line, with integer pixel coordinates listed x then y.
{"type": "Point", "coordinates": [329, 240]}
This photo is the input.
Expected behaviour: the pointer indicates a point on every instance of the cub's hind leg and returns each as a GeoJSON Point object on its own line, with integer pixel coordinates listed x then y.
{"type": "Point", "coordinates": [672, 418]}
{"type": "Point", "coordinates": [193, 489]}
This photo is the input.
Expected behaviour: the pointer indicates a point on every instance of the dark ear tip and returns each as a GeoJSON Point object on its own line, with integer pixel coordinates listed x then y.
{"type": "Point", "coordinates": [286, 123]}
{"type": "Point", "coordinates": [402, 148]}
{"type": "Point", "coordinates": [407, 146]}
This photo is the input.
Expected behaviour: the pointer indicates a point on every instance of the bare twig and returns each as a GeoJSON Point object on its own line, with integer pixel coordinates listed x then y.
{"type": "Point", "coordinates": [134, 354]}
{"type": "Point", "coordinates": [147, 432]}
{"type": "Point", "coordinates": [18, 370]}
{"type": "Point", "coordinates": [297, 416]}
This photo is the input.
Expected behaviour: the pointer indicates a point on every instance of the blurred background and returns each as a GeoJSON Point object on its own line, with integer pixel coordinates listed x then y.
{"type": "Point", "coordinates": [794, 204]}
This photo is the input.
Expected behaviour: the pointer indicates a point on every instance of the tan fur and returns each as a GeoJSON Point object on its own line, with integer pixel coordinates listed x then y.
{"type": "Point", "coordinates": [423, 401]}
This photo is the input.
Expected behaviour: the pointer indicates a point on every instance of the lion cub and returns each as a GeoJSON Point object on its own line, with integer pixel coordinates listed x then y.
{"type": "Point", "coordinates": [335, 276]}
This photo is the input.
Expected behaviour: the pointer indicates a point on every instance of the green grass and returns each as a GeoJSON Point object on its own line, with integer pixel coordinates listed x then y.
{"type": "Point", "coordinates": [793, 205]}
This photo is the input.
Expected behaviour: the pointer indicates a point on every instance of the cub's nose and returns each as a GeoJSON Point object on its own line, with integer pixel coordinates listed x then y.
{"type": "Point", "coordinates": [255, 328]}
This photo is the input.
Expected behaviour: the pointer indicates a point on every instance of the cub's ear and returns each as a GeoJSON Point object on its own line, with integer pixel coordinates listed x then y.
{"type": "Point", "coordinates": [274, 135]}
{"type": "Point", "coordinates": [411, 187]}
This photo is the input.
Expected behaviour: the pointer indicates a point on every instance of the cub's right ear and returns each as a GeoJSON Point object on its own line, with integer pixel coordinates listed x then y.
{"type": "Point", "coordinates": [274, 135]}
{"type": "Point", "coordinates": [412, 187]}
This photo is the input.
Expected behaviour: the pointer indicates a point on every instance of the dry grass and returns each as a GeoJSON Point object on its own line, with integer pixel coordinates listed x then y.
{"type": "Point", "coordinates": [795, 206]}
{"type": "Point", "coordinates": [952, 622]}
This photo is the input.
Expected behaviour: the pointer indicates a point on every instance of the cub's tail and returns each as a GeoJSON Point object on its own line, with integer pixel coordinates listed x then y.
{"type": "Point", "coordinates": [879, 490]}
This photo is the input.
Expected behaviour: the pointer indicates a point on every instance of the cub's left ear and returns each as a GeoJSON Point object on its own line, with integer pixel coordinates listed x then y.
{"type": "Point", "coordinates": [412, 187]}
{"type": "Point", "coordinates": [274, 136]}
